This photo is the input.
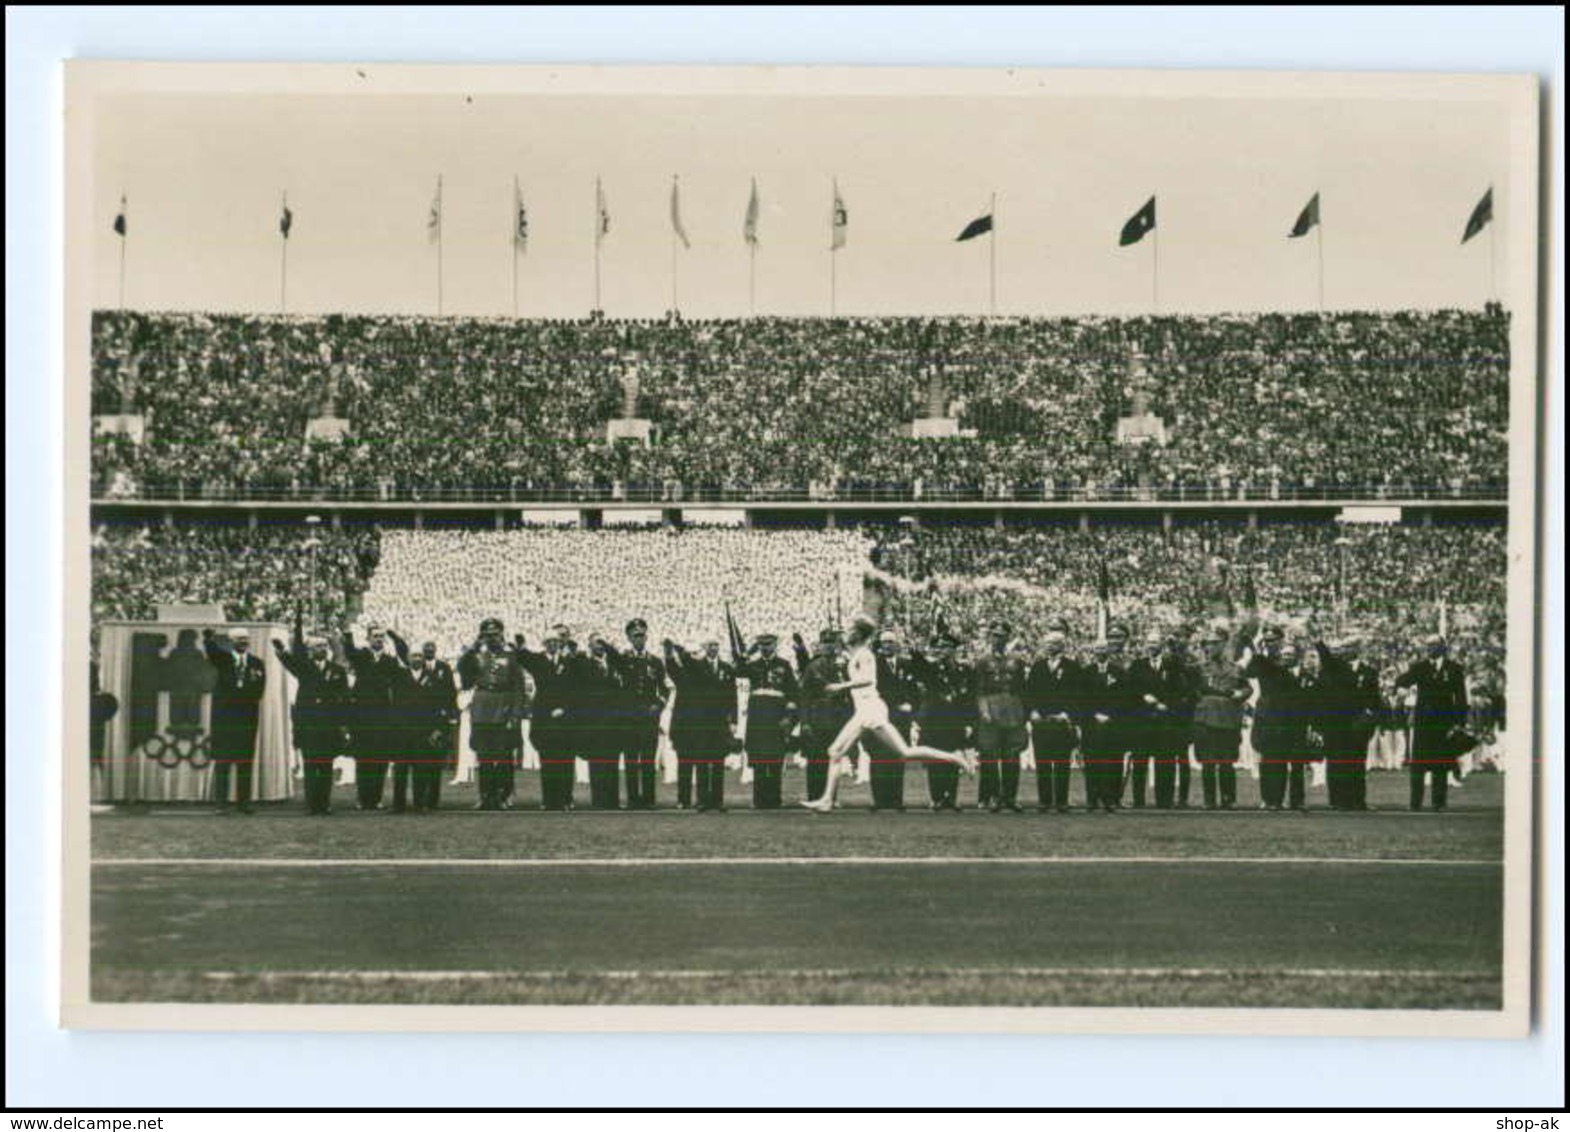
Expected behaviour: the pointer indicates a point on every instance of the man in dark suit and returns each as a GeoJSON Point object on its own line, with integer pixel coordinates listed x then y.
{"type": "Point", "coordinates": [597, 723]}
{"type": "Point", "coordinates": [1278, 734]}
{"type": "Point", "coordinates": [644, 687]}
{"type": "Point", "coordinates": [321, 702]}
{"type": "Point", "coordinates": [901, 691]}
{"type": "Point", "coordinates": [1354, 708]}
{"type": "Point", "coordinates": [1439, 721]}
{"type": "Point", "coordinates": [1110, 704]}
{"type": "Point", "coordinates": [495, 675]}
{"type": "Point", "coordinates": [1000, 720]}
{"type": "Point", "coordinates": [378, 682]}
{"type": "Point", "coordinates": [823, 713]}
{"type": "Point", "coordinates": [442, 676]}
{"type": "Point", "coordinates": [772, 698]}
{"type": "Point", "coordinates": [703, 719]}
{"type": "Point", "coordinates": [429, 711]}
{"type": "Point", "coordinates": [1164, 715]}
{"type": "Point", "coordinates": [948, 715]}
{"type": "Point", "coordinates": [554, 671]}
{"type": "Point", "coordinates": [1054, 693]}
{"type": "Point", "coordinates": [1221, 693]}
{"type": "Point", "coordinates": [240, 679]}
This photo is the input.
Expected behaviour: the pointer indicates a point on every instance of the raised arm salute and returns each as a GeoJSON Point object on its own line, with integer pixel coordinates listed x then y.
{"type": "Point", "coordinates": [1439, 720]}
{"type": "Point", "coordinates": [320, 714]}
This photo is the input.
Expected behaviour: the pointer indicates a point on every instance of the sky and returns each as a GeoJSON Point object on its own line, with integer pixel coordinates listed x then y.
{"type": "Point", "coordinates": [204, 177]}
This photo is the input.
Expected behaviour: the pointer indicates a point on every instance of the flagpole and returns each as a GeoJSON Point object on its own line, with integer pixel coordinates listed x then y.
{"type": "Point", "coordinates": [597, 237]}
{"type": "Point", "coordinates": [752, 278]}
{"type": "Point", "coordinates": [440, 224]}
{"type": "Point", "coordinates": [123, 236]}
{"type": "Point", "coordinates": [283, 273]}
{"type": "Point", "coordinates": [514, 244]}
{"type": "Point", "coordinates": [675, 283]}
{"type": "Point", "coordinates": [833, 282]}
{"type": "Point", "coordinates": [1319, 240]}
{"type": "Point", "coordinates": [1155, 270]}
{"type": "Point", "coordinates": [992, 258]}
{"type": "Point", "coordinates": [1493, 286]}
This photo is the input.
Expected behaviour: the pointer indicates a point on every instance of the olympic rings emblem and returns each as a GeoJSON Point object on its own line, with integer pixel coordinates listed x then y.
{"type": "Point", "coordinates": [169, 751]}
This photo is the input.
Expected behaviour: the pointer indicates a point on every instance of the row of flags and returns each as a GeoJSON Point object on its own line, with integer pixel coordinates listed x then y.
{"type": "Point", "coordinates": [1135, 229]}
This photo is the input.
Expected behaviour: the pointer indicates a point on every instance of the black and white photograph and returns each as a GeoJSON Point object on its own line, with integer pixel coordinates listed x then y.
{"type": "Point", "coordinates": [800, 548]}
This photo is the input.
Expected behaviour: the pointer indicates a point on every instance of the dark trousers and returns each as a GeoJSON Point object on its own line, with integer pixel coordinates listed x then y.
{"type": "Point", "coordinates": [685, 769]}
{"type": "Point", "coordinates": [556, 780]}
{"type": "Point", "coordinates": [318, 782]}
{"type": "Point", "coordinates": [817, 770]}
{"type": "Point", "coordinates": [942, 785]}
{"type": "Point", "coordinates": [710, 784]}
{"type": "Point", "coordinates": [401, 771]}
{"type": "Point", "coordinates": [494, 772]}
{"type": "Point", "coordinates": [638, 749]}
{"type": "Point", "coordinates": [1216, 748]}
{"type": "Point", "coordinates": [604, 783]}
{"type": "Point", "coordinates": [1346, 779]}
{"type": "Point", "coordinates": [767, 779]}
{"type": "Point", "coordinates": [1102, 753]}
{"type": "Point", "coordinates": [1438, 774]}
{"type": "Point", "coordinates": [998, 779]}
{"type": "Point", "coordinates": [1166, 766]}
{"type": "Point", "coordinates": [1281, 780]}
{"type": "Point", "coordinates": [427, 776]}
{"type": "Point", "coordinates": [1053, 744]}
{"type": "Point", "coordinates": [886, 773]}
{"type": "Point", "coordinates": [244, 771]}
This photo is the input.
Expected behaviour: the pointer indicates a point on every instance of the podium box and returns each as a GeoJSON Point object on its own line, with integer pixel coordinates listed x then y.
{"type": "Point", "coordinates": [629, 428]}
{"type": "Point", "coordinates": [934, 428]}
{"type": "Point", "coordinates": [133, 425]}
{"type": "Point", "coordinates": [326, 428]}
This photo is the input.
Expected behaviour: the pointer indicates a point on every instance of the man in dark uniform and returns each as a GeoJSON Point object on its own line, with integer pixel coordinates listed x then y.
{"type": "Point", "coordinates": [703, 719]}
{"type": "Point", "coordinates": [823, 713]}
{"type": "Point", "coordinates": [644, 687]}
{"type": "Point", "coordinates": [772, 698]}
{"type": "Point", "coordinates": [901, 691]}
{"type": "Point", "coordinates": [321, 703]}
{"type": "Point", "coordinates": [1054, 693]}
{"type": "Point", "coordinates": [1352, 687]}
{"type": "Point", "coordinates": [1000, 720]}
{"type": "Point", "coordinates": [443, 677]}
{"type": "Point", "coordinates": [1439, 721]}
{"type": "Point", "coordinates": [237, 696]}
{"type": "Point", "coordinates": [495, 676]}
{"type": "Point", "coordinates": [378, 681]}
{"type": "Point", "coordinates": [1110, 703]}
{"type": "Point", "coordinates": [103, 707]}
{"type": "Point", "coordinates": [430, 711]}
{"type": "Point", "coordinates": [1164, 716]}
{"type": "Point", "coordinates": [554, 671]}
{"type": "Point", "coordinates": [1218, 715]}
{"type": "Point", "coordinates": [948, 715]}
{"type": "Point", "coordinates": [597, 724]}
{"type": "Point", "coordinates": [1278, 733]}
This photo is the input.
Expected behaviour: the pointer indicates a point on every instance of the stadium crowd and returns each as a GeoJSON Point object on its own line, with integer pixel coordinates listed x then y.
{"type": "Point", "coordinates": [1282, 618]}
{"type": "Point", "coordinates": [1374, 405]}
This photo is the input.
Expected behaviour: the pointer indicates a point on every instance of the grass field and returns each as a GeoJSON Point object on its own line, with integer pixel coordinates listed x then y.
{"type": "Point", "coordinates": [1187, 908]}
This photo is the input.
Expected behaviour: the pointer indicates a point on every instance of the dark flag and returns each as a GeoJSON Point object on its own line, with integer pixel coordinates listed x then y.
{"type": "Point", "coordinates": [1307, 220]}
{"type": "Point", "coordinates": [1103, 598]}
{"type": "Point", "coordinates": [977, 227]}
{"type": "Point", "coordinates": [285, 222]}
{"type": "Point", "coordinates": [119, 219]}
{"type": "Point", "coordinates": [1141, 222]}
{"type": "Point", "coordinates": [738, 645]}
{"type": "Point", "coordinates": [1481, 216]}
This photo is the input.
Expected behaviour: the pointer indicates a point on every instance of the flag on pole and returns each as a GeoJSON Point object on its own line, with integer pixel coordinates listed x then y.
{"type": "Point", "coordinates": [1482, 214]}
{"type": "Point", "coordinates": [676, 224]}
{"type": "Point", "coordinates": [1137, 225]}
{"type": "Point", "coordinates": [838, 220]}
{"type": "Point", "coordinates": [119, 220]}
{"type": "Point", "coordinates": [738, 644]}
{"type": "Point", "coordinates": [977, 227]}
{"type": "Point", "coordinates": [602, 214]}
{"type": "Point", "coordinates": [749, 227]}
{"type": "Point", "coordinates": [1103, 599]}
{"type": "Point", "coordinates": [433, 223]}
{"type": "Point", "coordinates": [1307, 220]}
{"type": "Point", "coordinates": [285, 221]}
{"type": "Point", "coordinates": [520, 231]}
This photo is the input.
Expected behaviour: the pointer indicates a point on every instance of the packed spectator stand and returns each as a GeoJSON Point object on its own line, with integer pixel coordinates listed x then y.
{"type": "Point", "coordinates": [1368, 405]}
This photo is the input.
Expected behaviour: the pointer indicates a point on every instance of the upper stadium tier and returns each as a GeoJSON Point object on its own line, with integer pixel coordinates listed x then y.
{"type": "Point", "coordinates": [1343, 406]}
